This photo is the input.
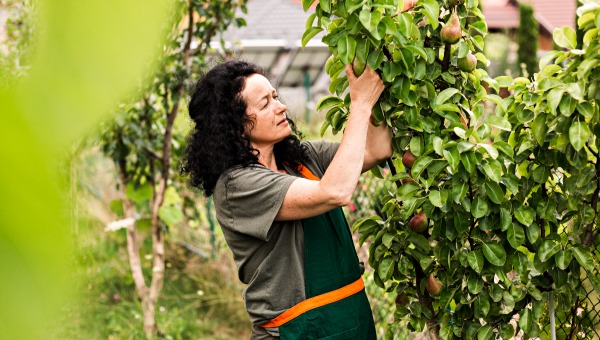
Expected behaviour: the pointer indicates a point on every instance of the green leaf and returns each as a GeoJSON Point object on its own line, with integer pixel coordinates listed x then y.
{"type": "Point", "coordinates": [563, 259]}
{"type": "Point", "coordinates": [116, 206]}
{"type": "Point", "coordinates": [387, 239]}
{"type": "Point", "coordinates": [491, 150]}
{"type": "Point", "coordinates": [485, 333]}
{"type": "Point", "coordinates": [494, 253]}
{"type": "Point", "coordinates": [453, 157]}
{"type": "Point", "coordinates": [547, 250]}
{"type": "Point", "coordinates": [385, 269]}
{"type": "Point", "coordinates": [419, 241]}
{"type": "Point", "coordinates": [508, 303]}
{"type": "Point", "coordinates": [431, 10]}
{"type": "Point", "coordinates": [506, 331]}
{"type": "Point", "coordinates": [468, 160]}
{"type": "Point", "coordinates": [475, 260]}
{"type": "Point", "coordinates": [325, 5]}
{"type": "Point", "coordinates": [407, 191]}
{"type": "Point", "coordinates": [328, 102]}
{"type": "Point", "coordinates": [549, 70]}
{"type": "Point", "coordinates": [548, 57]}
{"type": "Point", "coordinates": [493, 170]}
{"type": "Point", "coordinates": [494, 192]}
{"type": "Point", "coordinates": [438, 145]}
{"type": "Point", "coordinates": [586, 109]}
{"type": "Point", "coordinates": [346, 48]}
{"type": "Point", "coordinates": [459, 191]}
{"type": "Point", "coordinates": [479, 207]}
{"type": "Point", "coordinates": [438, 198]}
{"type": "Point", "coordinates": [504, 81]}
{"type": "Point", "coordinates": [539, 128]}
{"type": "Point", "coordinates": [579, 133]}
{"type": "Point", "coordinates": [554, 97]}
{"type": "Point", "coordinates": [443, 97]}
{"type": "Point", "coordinates": [475, 284]}
{"type": "Point", "coordinates": [585, 68]}
{"type": "Point", "coordinates": [416, 145]}
{"type": "Point", "coordinates": [420, 164]}
{"type": "Point", "coordinates": [525, 215]}
{"type": "Point", "coordinates": [584, 257]}
{"type": "Point", "coordinates": [515, 235]}
{"type": "Point", "coordinates": [525, 320]}
{"type": "Point", "coordinates": [505, 219]}
{"type": "Point", "coordinates": [139, 194]}
{"type": "Point", "coordinates": [497, 100]}
{"type": "Point", "coordinates": [575, 91]}
{"type": "Point", "coordinates": [365, 19]}
{"type": "Point", "coordinates": [505, 148]}
{"type": "Point", "coordinates": [565, 37]}
{"type": "Point", "coordinates": [306, 4]}
{"type": "Point", "coordinates": [368, 225]}
{"type": "Point", "coordinates": [309, 34]}
{"type": "Point", "coordinates": [170, 214]}
{"type": "Point", "coordinates": [498, 122]}
{"type": "Point", "coordinates": [533, 233]}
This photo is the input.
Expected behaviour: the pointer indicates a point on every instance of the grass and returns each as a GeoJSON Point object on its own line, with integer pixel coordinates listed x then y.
{"type": "Point", "coordinates": [198, 300]}
{"type": "Point", "coordinates": [201, 298]}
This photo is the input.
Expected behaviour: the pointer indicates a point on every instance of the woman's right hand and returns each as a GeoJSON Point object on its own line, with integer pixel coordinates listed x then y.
{"type": "Point", "coordinates": [364, 90]}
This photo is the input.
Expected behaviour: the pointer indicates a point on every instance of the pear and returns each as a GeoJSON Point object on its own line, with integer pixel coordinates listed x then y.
{"type": "Point", "coordinates": [408, 159]}
{"type": "Point", "coordinates": [401, 299]}
{"type": "Point", "coordinates": [451, 32]}
{"type": "Point", "coordinates": [433, 285]}
{"type": "Point", "coordinates": [418, 223]}
{"type": "Point", "coordinates": [467, 63]}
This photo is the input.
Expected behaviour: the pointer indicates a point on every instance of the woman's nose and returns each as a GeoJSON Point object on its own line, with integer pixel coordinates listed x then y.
{"type": "Point", "coordinates": [281, 107]}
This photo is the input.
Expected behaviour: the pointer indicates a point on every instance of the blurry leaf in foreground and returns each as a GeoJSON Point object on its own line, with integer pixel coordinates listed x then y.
{"type": "Point", "coordinates": [88, 56]}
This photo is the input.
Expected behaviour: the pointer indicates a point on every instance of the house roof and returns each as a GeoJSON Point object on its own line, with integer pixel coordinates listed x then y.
{"type": "Point", "coordinates": [554, 13]}
{"type": "Point", "coordinates": [272, 39]}
{"type": "Point", "coordinates": [549, 13]}
{"type": "Point", "coordinates": [282, 20]}
{"type": "Point", "coordinates": [500, 14]}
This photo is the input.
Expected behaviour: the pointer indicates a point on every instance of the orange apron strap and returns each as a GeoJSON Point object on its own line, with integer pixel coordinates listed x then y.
{"type": "Point", "coordinates": [303, 170]}
{"type": "Point", "coordinates": [316, 302]}
{"type": "Point", "coordinates": [307, 173]}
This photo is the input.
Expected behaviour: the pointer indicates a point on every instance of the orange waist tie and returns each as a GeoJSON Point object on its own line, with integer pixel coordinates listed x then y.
{"type": "Point", "coordinates": [316, 302]}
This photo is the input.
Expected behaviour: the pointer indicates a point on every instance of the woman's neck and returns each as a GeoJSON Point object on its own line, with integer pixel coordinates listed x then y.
{"type": "Point", "coordinates": [266, 157]}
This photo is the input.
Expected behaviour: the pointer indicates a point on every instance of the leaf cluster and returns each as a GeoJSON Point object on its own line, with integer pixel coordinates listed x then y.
{"type": "Point", "coordinates": [510, 193]}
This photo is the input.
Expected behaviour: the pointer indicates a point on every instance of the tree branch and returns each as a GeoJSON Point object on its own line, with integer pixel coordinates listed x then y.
{"type": "Point", "coordinates": [589, 234]}
{"type": "Point", "coordinates": [573, 332]}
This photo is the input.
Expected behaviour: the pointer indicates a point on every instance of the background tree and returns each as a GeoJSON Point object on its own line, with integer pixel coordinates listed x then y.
{"type": "Point", "coordinates": [528, 36]}
{"type": "Point", "coordinates": [145, 143]}
{"type": "Point", "coordinates": [472, 237]}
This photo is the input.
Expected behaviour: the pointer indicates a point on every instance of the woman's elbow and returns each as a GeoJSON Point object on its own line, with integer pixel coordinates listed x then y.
{"type": "Point", "coordinates": [340, 198]}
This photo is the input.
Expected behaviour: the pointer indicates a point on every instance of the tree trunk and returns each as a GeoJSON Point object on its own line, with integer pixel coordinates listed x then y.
{"type": "Point", "coordinates": [148, 308]}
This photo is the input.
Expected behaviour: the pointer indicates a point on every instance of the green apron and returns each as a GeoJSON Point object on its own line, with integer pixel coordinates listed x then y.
{"type": "Point", "coordinates": [330, 262]}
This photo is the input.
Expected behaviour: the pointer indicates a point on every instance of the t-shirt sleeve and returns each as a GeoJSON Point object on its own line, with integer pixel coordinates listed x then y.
{"type": "Point", "coordinates": [322, 152]}
{"type": "Point", "coordinates": [248, 199]}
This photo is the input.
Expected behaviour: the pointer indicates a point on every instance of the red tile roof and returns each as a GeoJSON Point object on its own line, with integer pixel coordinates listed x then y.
{"type": "Point", "coordinates": [554, 13]}
{"type": "Point", "coordinates": [549, 13]}
{"type": "Point", "coordinates": [500, 14]}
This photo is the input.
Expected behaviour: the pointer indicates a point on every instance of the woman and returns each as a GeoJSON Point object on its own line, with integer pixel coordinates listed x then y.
{"type": "Point", "coordinates": [278, 201]}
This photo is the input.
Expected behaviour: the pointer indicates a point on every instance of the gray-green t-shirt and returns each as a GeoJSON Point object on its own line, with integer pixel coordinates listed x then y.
{"type": "Point", "coordinates": [269, 254]}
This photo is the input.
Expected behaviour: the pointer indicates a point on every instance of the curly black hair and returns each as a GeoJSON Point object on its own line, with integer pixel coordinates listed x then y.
{"type": "Point", "coordinates": [217, 141]}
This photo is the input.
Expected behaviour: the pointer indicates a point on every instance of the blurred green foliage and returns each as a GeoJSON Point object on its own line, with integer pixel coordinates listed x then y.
{"type": "Point", "coordinates": [86, 57]}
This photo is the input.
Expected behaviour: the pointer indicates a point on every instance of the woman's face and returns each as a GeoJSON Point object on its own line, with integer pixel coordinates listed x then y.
{"type": "Point", "coordinates": [266, 111]}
